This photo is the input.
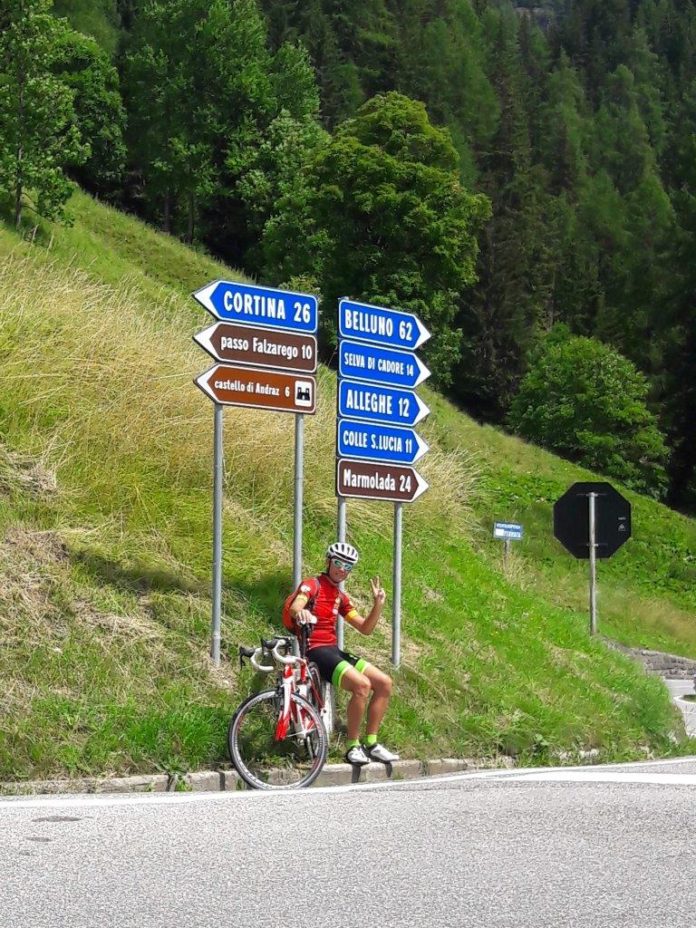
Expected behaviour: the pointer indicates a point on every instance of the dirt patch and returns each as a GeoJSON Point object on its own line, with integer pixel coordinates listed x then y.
{"type": "Point", "coordinates": [23, 473]}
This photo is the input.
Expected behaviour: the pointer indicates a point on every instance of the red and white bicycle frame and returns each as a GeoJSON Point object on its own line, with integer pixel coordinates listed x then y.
{"type": "Point", "coordinates": [295, 679]}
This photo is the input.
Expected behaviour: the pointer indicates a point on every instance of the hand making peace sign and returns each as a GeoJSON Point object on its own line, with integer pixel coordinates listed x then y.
{"type": "Point", "coordinates": [377, 591]}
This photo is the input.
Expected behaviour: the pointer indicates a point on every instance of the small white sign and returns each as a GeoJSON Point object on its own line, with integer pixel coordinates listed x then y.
{"type": "Point", "coordinates": [507, 530]}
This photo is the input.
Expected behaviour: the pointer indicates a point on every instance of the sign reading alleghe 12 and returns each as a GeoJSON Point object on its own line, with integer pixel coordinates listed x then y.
{"type": "Point", "coordinates": [253, 347]}
{"type": "Point", "coordinates": [377, 403]}
{"type": "Point", "coordinates": [230, 301]}
{"type": "Point", "coordinates": [259, 389]}
{"type": "Point", "coordinates": [372, 480]}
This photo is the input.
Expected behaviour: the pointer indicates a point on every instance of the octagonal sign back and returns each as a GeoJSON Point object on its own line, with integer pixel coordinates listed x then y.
{"type": "Point", "coordinates": [571, 519]}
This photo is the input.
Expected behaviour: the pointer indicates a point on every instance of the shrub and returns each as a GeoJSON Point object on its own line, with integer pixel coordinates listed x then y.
{"type": "Point", "coordinates": [585, 401]}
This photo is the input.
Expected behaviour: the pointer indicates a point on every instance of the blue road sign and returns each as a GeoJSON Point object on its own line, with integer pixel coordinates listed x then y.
{"type": "Point", "coordinates": [380, 365]}
{"type": "Point", "coordinates": [380, 326]}
{"type": "Point", "coordinates": [358, 400]}
{"type": "Point", "coordinates": [507, 530]}
{"type": "Point", "coordinates": [246, 304]}
{"type": "Point", "coordinates": [378, 442]}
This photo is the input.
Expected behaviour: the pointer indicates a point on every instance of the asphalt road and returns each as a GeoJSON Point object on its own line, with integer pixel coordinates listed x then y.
{"type": "Point", "coordinates": [581, 847]}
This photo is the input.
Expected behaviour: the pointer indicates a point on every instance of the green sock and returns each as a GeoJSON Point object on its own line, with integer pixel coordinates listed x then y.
{"type": "Point", "coordinates": [353, 743]}
{"type": "Point", "coordinates": [370, 740]}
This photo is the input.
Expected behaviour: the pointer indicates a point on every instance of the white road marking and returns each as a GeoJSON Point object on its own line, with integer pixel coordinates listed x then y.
{"type": "Point", "coordinates": [601, 776]}
{"type": "Point", "coordinates": [610, 773]}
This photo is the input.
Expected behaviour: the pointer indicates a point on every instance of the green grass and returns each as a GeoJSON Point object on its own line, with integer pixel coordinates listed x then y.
{"type": "Point", "coordinates": [105, 545]}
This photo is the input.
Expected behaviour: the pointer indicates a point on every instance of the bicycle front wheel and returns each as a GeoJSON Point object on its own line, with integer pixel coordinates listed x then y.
{"type": "Point", "coordinates": [263, 761]}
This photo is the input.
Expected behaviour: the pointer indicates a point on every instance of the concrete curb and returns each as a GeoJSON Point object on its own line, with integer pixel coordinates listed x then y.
{"type": "Point", "coordinates": [225, 780]}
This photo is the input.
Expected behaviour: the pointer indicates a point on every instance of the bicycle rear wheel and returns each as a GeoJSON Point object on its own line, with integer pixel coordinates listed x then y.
{"type": "Point", "coordinates": [327, 709]}
{"type": "Point", "coordinates": [264, 762]}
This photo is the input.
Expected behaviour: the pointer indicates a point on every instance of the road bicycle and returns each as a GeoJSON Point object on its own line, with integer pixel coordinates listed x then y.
{"type": "Point", "coordinates": [277, 738]}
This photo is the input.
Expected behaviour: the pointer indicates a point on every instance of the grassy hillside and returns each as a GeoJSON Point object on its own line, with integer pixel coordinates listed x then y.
{"type": "Point", "coordinates": [105, 537]}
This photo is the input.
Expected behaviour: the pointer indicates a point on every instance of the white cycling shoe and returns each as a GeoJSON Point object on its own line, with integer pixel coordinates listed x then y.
{"type": "Point", "coordinates": [357, 756]}
{"type": "Point", "coordinates": [382, 754]}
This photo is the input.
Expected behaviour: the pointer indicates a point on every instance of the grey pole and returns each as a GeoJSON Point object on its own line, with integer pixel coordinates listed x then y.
{"type": "Point", "coordinates": [341, 532]}
{"type": "Point", "coordinates": [593, 565]}
{"type": "Point", "coordinates": [506, 554]}
{"type": "Point", "coordinates": [299, 481]}
{"type": "Point", "coordinates": [217, 535]}
{"type": "Point", "coordinates": [396, 621]}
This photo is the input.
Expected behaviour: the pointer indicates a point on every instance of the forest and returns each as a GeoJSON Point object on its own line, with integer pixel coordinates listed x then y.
{"type": "Point", "coordinates": [522, 177]}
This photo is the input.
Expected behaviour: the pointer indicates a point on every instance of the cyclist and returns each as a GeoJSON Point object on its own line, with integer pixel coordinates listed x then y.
{"type": "Point", "coordinates": [320, 600]}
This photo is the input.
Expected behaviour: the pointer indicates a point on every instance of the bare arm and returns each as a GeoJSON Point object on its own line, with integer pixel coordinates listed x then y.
{"type": "Point", "coordinates": [298, 611]}
{"type": "Point", "coordinates": [366, 624]}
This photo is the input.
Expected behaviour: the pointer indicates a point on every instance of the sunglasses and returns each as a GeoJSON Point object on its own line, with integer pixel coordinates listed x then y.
{"type": "Point", "coordinates": [342, 565]}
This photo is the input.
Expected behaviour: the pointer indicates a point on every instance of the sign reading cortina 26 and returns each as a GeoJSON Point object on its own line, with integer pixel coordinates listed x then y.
{"type": "Point", "coordinates": [259, 389]}
{"type": "Point", "coordinates": [371, 480]}
{"type": "Point", "coordinates": [252, 347]}
{"type": "Point", "coordinates": [250, 305]}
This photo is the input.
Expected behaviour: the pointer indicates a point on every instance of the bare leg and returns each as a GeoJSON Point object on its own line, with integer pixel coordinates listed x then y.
{"type": "Point", "coordinates": [382, 687]}
{"type": "Point", "coordinates": [359, 686]}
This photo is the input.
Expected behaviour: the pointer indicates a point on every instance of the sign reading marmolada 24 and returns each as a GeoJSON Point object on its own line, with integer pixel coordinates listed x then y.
{"type": "Point", "coordinates": [377, 405]}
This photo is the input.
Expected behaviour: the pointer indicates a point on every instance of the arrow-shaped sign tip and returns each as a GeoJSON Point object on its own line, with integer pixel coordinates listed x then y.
{"type": "Point", "coordinates": [204, 296]}
{"type": "Point", "coordinates": [423, 336]}
{"type": "Point", "coordinates": [423, 372]}
{"type": "Point", "coordinates": [423, 410]}
{"type": "Point", "coordinates": [423, 485]}
{"type": "Point", "coordinates": [423, 448]}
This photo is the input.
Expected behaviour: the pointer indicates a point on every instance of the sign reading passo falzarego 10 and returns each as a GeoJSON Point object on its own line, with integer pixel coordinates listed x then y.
{"type": "Point", "coordinates": [376, 444]}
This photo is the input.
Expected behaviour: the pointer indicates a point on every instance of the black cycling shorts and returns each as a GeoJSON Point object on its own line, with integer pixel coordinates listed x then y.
{"type": "Point", "coordinates": [333, 663]}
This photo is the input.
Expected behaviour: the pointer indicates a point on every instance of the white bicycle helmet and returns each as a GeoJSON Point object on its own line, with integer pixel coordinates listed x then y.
{"type": "Point", "coordinates": [344, 551]}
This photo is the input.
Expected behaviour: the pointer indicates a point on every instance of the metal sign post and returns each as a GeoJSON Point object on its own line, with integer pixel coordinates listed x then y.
{"type": "Point", "coordinates": [299, 478]}
{"type": "Point", "coordinates": [592, 520]}
{"type": "Point", "coordinates": [341, 537]}
{"type": "Point", "coordinates": [217, 534]}
{"type": "Point", "coordinates": [591, 498]}
{"type": "Point", "coordinates": [396, 608]}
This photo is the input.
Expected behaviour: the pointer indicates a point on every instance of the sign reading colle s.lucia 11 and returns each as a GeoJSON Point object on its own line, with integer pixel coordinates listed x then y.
{"type": "Point", "coordinates": [230, 301]}
{"type": "Point", "coordinates": [379, 442]}
{"type": "Point", "coordinates": [380, 326]}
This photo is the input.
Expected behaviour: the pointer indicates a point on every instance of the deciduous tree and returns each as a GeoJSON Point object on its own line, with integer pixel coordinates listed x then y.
{"type": "Point", "coordinates": [39, 137]}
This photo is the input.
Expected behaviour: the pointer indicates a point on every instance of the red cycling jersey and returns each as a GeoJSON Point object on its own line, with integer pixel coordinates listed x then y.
{"type": "Point", "coordinates": [326, 602]}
